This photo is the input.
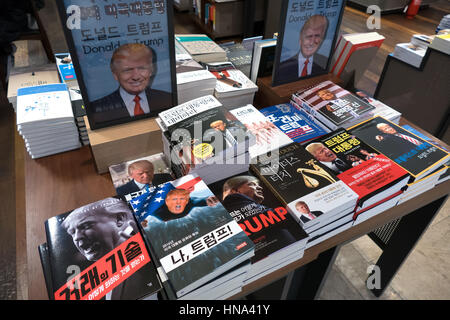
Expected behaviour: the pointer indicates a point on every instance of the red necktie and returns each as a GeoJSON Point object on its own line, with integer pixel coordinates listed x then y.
{"type": "Point", "coordinates": [305, 69]}
{"type": "Point", "coordinates": [137, 106]}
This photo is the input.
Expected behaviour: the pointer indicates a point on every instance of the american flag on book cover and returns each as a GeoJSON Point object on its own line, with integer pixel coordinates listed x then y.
{"type": "Point", "coordinates": [147, 203]}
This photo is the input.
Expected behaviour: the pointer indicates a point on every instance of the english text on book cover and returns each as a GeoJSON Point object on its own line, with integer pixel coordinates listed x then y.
{"type": "Point", "coordinates": [123, 54]}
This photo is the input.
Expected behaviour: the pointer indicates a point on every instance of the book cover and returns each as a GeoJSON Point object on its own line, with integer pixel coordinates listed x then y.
{"type": "Point", "coordinates": [295, 123]}
{"type": "Point", "coordinates": [372, 175]}
{"type": "Point", "coordinates": [197, 44]}
{"type": "Point", "coordinates": [332, 104]}
{"type": "Point", "coordinates": [408, 150]}
{"type": "Point", "coordinates": [259, 213]}
{"type": "Point", "coordinates": [134, 175]}
{"type": "Point", "coordinates": [65, 67]}
{"type": "Point", "coordinates": [268, 136]}
{"type": "Point", "coordinates": [45, 263]}
{"type": "Point", "coordinates": [309, 189]}
{"type": "Point", "coordinates": [193, 236]}
{"type": "Point", "coordinates": [96, 252]}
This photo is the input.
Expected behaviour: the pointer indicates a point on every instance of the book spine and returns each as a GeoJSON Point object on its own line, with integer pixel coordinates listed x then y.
{"type": "Point", "coordinates": [339, 58]}
{"type": "Point", "coordinates": [310, 116]}
{"type": "Point", "coordinates": [305, 106]}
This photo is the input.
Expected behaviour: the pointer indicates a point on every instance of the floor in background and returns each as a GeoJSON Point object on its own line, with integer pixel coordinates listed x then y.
{"type": "Point", "coordinates": [424, 274]}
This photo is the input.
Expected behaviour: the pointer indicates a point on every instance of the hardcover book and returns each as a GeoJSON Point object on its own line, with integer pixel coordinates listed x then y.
{"type": "Point", "coordinates": [263, 218]}
{"type": "Point", "coordinates": [65, 67]}
{"type": "Point", "coordinates": [309, 189]}
{"type": "Point", "coordinates": [96, 252]}
{"type": "Point", "coordinates": [408, 150]}
{"type": "Point", "coordinates": [333, 105]}
{"type": "Point", "coordinates": [295, 123]}
{"type": "Point", "coordinates": [192, 235]}
{"type": "Point", "coordinates": [373, 176]}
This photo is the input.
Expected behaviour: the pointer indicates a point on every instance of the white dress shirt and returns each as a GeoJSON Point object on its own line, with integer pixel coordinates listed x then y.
{"type": "Point", "coordinates": [301, 64]}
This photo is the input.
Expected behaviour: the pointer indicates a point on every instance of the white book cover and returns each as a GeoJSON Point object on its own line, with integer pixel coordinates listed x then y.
{"type": "Point", "coordinates": [43, 103]}
{"type": "Point", "coordinates": [268, 136]}
{"type": "Point", "coordinates": [187, 109]}
{"type": "Point", "coordinates": [233, 81]}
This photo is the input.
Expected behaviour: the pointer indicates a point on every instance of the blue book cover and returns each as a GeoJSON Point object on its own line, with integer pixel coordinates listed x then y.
{"type": "Point", "coordinates": [295, 123]}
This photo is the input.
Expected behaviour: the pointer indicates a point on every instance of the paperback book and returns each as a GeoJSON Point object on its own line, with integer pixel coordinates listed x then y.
{"type": "Point", "coordinates": [333, 105]}
{"type": "Point", "coordinates": [295, 123]}
{"type": "Point", "coordinates": [415, 155]}
{"type": "Point", "coordinates": [311, 191]}
{"type": "Point", "coordinates": [373, 176]}
{"type": "Point", "coordinates": [96, 252]}
{"type": "Point", "coordinates": [192, 235]}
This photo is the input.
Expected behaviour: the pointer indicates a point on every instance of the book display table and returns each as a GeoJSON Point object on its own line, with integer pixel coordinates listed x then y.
{"type": "Point", "coordinates": [56, 184]}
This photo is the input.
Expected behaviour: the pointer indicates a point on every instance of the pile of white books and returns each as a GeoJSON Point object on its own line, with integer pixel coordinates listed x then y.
{"type": "Point", "coordinates": [410, 53]}
{"type": "Point", "coordinates": [441, 42]}
{"type": "Point", "coordinates": [193, 81]}
{"type": "Point", "coordinates": [202, 137]}
{"type": "Point", "coordinates": [201, 47]}
{"type": "Point", "coordinates": [45, 120]}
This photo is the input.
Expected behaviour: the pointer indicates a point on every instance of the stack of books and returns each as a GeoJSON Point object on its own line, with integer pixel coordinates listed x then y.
{"type": "Point", "coordinates": [409, 53]}
{"type": "Point", "coordinates": [202, 137]}
{"type": "Point", "coordinates": [79, 112]}
{"type": "Point", "coordinates": [196, 242]}
{"type": "Point", "coordinates": [81, 260]}
{"type": "Point", "coordinates": [278, 238]}
{"type": "Point", "coordinates": [268, 137]}
{"type": "Point", "coordinates": [193, 81]}
{"type": "Point", "coordinates": [441, 42]}
{"type": "Point", "coordinates": [353, 54]}
{"type": "Point", "coordinates": [420, 158]}
{"type": "Point", "coordinates": [294, 122]}
{"type": "Point", "coordinates": [263, 58]}
{"type": "Point", "coordinates": [45, 120]}
{"type": "Point", "coordinates": [320, 202]}
{"type": "Point", "coordinates": [332, 105]}
{"type": "Point", "coordinates": [444, 24]}
{"type": "Point", "coordinates": [378, 181]}
{"type": "Point", "coordinates": [202, 48]}
{"type": "Point", "coordinates": [233, 87]}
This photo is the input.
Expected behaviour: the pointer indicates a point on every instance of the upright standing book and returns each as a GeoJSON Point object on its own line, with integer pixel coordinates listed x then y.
{"type": "Point", "coordinates": [192, 235]}
{"type": "Point", "coordinates": [96, 252]}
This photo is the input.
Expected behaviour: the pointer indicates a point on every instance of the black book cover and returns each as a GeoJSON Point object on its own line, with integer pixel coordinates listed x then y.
{"type": "Point", "coordinates": [266, 61]}
{"type": "Point", "coordinates": [259, 213]}
{"type": "Point", "coordinates": [45, 263]}
{"type": "Point", "coordinates": [96, 252]}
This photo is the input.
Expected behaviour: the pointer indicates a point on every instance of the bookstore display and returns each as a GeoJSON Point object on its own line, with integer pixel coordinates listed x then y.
{"type": "Point", "coordinates": [238, 191]}
{"type": "Point", "coordinates": [124, 63]}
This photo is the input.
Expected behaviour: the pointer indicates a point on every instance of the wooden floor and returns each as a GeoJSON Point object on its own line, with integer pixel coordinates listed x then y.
{"type": "Point", "coordinates": [13, 276]}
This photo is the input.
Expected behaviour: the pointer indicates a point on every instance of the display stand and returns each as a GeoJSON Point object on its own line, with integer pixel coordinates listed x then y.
{"type": "Point", "coordinates": [124, 142]}
{"type": "Point", "coordinates": [269, 96]}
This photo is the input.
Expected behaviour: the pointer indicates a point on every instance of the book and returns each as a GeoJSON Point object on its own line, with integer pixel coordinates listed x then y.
{"type": "Point", "coordinates": [441, 42]}
{"type": "Point", "coordinates": [201, 47]}
{"type": "Point", "coordinates": [311, 192]}
{"type": "Point", "coordinates": [233, 87]}
{"type": "Point", "coordinates": [381, 109]}
{"type": "Point", "coordinates": [65, 67]}
{"type": "Point", "coordinates": [193, 81]}
{"type": "Point", "coordinates": [417, 156]}
{"type": "Point", "coordinates": [373, 176]}
{"type": "Point", "coordinates": [131, 176]}
{"type": "Point", "coordinates": [45, 119]}
{"type": "Point", "coordinates": [268, 136]}
{"type": "Point", "coordinates": [409, 53]}
{"type": "Point", "coordinates": [333, 105]}
{"type": "Point", "coordinates": [353, 54]}
{"type": "Point", "coordinates": [192, 235]}
{"type": "Point", "coordinates": [295, 123]}
{"type": "Point", "coordinates": [96, 252]}
{"type": "Point", "coordinates": [264, 219]}
{"type": "Point", "coordinates": [263, 58]}
{"type": "Point", "coordinates": [30, 77]}
{"type": "Point", "coordinates": [240, 54]}
{"type": "Point", "coordinates": [45, 264]}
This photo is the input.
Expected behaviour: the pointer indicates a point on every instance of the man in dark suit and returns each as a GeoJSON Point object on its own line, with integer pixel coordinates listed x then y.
{"type": "Point", "coordinates": [302, 64]}
{"type": "Point", "coordinates": [395, 143]}
{"type": "Point", "coordinates": [306, 214]}
{"type": "Point", "coordinates": [327, 157]}
{"type": "Point", "coordinates": [142, 173]}
{"type": "Point", "coordinates": [133, 65]}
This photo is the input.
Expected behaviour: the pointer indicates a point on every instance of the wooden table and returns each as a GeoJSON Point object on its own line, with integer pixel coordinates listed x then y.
{"type": "Point", "coordinates": [52, 185]}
